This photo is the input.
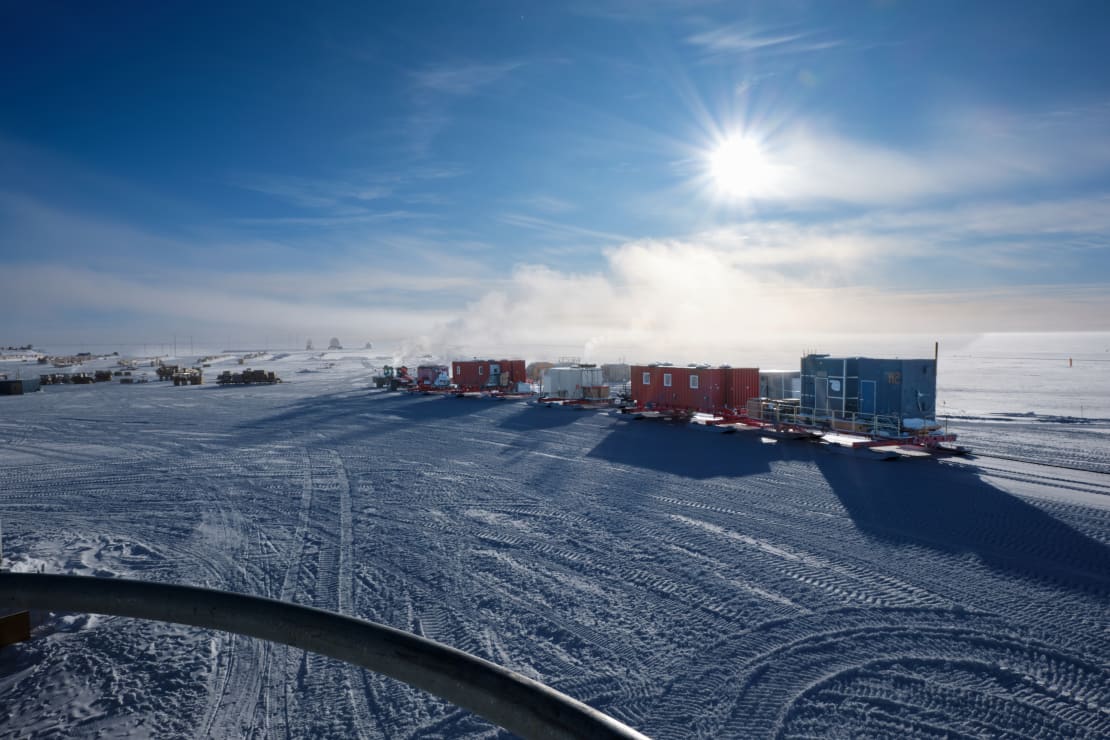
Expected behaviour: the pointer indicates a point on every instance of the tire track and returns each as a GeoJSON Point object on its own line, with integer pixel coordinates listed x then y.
{"type": "Point", "coordinates": [321, 575]}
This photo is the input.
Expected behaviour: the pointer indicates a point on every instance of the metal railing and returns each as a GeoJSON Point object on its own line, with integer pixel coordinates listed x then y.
{"type": "Point", "coordinates": [515, 702]}
{"type": "Point", "coordinates": [791, 413]}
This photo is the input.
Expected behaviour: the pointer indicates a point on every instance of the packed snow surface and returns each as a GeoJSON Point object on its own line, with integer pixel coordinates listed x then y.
{"type": "Point", "coordinates": [688, 582]}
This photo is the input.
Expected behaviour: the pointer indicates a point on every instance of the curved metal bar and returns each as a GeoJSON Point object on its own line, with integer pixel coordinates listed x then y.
{"type": "Point", "coordinates": [515, 702]}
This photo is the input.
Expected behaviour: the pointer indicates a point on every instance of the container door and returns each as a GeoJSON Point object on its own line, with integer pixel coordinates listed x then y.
{"type": "Point", "coordinates": [867, 396]}
{"type": "Point", "coordinates": [836, 393]}
{"type": "Point", "coordinates": [821, 389]}
{"type": "Point", "coordinates": [494, 374]}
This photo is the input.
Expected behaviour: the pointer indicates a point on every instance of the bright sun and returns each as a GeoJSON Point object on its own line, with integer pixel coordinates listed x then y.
{"type": "Point", "coordinates": [738, 167]}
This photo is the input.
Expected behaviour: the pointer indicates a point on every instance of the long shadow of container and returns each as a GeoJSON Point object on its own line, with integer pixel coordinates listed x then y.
{"type": "Point", "coordinates": [951, 509]}
{"type": "Point", "coordinates": [533, 417]}
{"type": "Point", "coordinates": [682, 450]}
{"type": "Point", "coordinates": [329, 408]}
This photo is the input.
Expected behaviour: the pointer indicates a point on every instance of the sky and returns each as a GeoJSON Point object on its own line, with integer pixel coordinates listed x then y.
{"type": "Point", "coordinates": [599, 179]}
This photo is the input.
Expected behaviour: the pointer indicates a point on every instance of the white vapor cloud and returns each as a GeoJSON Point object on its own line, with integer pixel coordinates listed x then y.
{"type": "Point", "coordinates": [709, 296]}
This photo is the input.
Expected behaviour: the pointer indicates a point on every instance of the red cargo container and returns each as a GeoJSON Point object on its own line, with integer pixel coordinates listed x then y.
{"type": "Point", "coordinates": [743, 383]}
{"type": "Point", "coordinates": [680, 388]}
{"type": "Point", "coordinates": [472, 375]}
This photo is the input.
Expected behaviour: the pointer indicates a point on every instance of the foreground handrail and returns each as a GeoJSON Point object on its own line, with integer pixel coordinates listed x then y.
{"type": "Point", "coordinates": [515, 702]}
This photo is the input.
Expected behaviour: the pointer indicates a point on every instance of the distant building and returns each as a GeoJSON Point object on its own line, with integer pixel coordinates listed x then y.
{"type": "Point", "coordinates": [334, 344]}
{"type": "Point", "coordinates": [308, 345]}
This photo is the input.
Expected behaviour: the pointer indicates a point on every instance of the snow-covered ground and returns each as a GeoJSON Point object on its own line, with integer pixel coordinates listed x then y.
{"type": "Point", "coordinates": [690, 583]}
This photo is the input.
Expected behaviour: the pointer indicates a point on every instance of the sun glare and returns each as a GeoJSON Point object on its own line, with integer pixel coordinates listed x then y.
{"type": "Point", "coordinates": [739, 167]}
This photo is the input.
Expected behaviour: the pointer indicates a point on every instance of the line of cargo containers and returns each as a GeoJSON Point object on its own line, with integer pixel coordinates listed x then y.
{"type": "Point", "coordinates": [874, 396]}
{"type": "Point", "coordinates": [881, 398]}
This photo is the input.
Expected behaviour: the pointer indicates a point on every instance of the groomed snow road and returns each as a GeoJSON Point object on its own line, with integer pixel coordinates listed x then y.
{"type": "Point", "coordinates": [690, 583]}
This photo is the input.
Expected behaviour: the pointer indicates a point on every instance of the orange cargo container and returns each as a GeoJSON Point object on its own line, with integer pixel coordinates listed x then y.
{"type": "Point", "coordinates": [701, 388]}
{"type": "Point", "coordinates": [743, 383]}
{"type": "Point", "coordinates": [680, 388]}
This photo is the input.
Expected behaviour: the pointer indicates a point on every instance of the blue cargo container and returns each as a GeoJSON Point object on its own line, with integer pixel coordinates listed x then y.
{"type": "Point", "coordinates": [837, 388]}
{"type": "Point", "coordinates": [18, 387]}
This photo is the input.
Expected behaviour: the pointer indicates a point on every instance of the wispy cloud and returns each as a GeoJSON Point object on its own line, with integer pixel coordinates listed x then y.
{"type": "Point", "coordinates": [556, 229]}
{"type": "Point", "coordinates": [436, 87]}
{"type": "Point", "coordinates": [1087, 216]}
{"type": "Point", "coordinates": [631, 11]}
{"type": "Point", "coordinates": [548, 204]}
{"type": "Point", "coordinates": [741, 38]}
{"type": "Point", "coordinates": [342, 201]}
{"type": "Point", "coordinates": [163, 300]}
{"type": "Point", "coordinates": [364, 217]}
{"type": "Point", "coordinates": [461, 79]}
{"type": "Point", "coordinates": [309, 193]}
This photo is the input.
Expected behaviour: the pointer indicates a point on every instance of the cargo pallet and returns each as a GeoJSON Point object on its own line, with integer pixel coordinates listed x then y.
{"type": "Point", "coordinates": [474, 391]}
{"type": "Point", "coordinates": [247, 377]}
{"type": "Point", "coordinates": [583, 403]}
{"type": "Point", "coordinates": [667, 413]}
{"type": "Point", "coordinates": [430, 390]}
{"type": "Point", "coordinates": [786, 420]}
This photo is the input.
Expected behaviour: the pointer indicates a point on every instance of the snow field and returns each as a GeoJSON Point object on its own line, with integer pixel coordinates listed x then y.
{"type": "Point", "coordinates": [692, 584]}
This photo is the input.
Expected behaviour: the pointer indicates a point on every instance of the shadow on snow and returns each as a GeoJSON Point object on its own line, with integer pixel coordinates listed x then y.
{"type": "Point", "coordinates": [678, 449]}
{"type": "Point", "coordinates": [951, 509]}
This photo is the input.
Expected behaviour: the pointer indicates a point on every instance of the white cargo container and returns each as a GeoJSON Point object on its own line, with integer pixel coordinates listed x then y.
{"type": "Point", "coordinates": [574, 383]}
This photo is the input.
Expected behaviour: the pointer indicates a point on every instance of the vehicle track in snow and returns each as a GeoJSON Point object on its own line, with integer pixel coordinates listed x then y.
{"type": "Point", "coordinates": [320, 574]}
{"type": "Point", "coordinates": [832, 571]}
{"type": "Point", "coordinates": [762, 680]}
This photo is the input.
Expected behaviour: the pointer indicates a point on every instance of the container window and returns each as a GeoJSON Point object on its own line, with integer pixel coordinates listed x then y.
{"type": "Point", "coordinates": [894, 378]}
{"type": "Point", "coordinates": [666, 380]}
{"type": "Point", "coordinates": [693, 381]}
{"type": "Point", "coordinates": [834, 385]}
{"type": "Point", "coordinates": [647, 378]}
{"type": "Point", "coordinates": [480, 369]}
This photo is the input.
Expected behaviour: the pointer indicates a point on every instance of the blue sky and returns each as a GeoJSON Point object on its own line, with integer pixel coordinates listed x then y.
{"type": "Point", "coordinates": [610, 176]}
